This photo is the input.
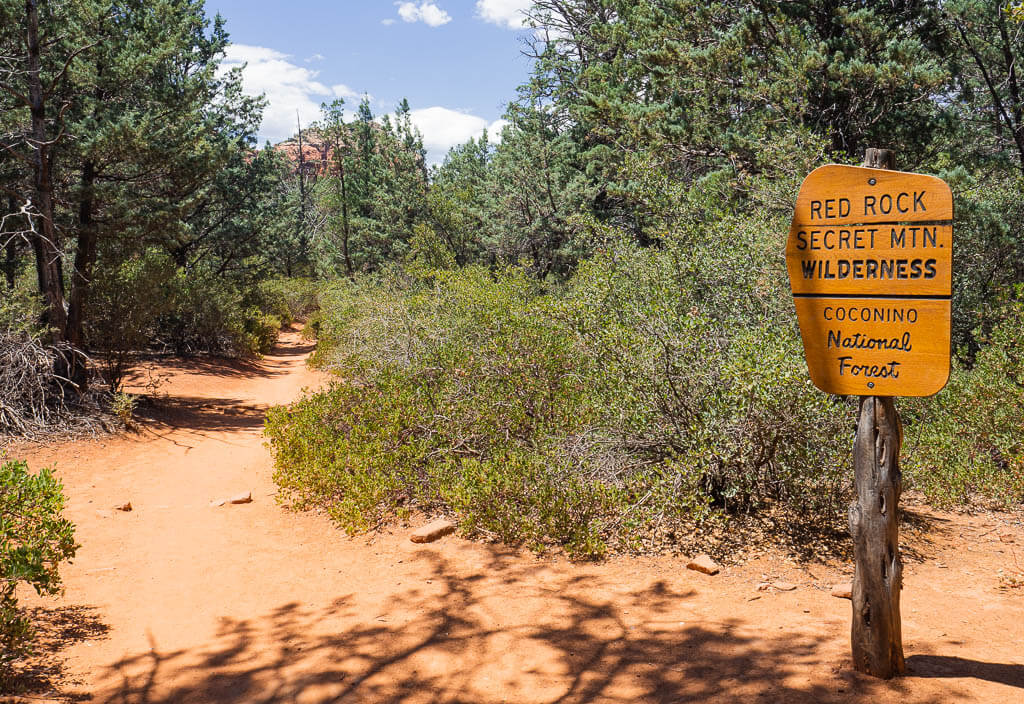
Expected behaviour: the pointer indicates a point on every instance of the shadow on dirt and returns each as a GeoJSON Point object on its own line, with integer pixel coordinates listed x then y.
{"type": "Point", "coordinates": [947, 666]}
{"type": "Point", "coordinates": [158, 413]}
{"type": "Point", "coordinates": [152, 369]}
{"type": "Point", "coordinates": [198, 414]}
{"type": "Point", "coordinates": [56, 630]}
{"type": "Point", "coordinates": [537, 642]}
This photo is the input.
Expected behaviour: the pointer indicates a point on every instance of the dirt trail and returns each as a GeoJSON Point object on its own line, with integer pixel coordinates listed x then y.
{"type": "Point", "coordinates": [179, 601]}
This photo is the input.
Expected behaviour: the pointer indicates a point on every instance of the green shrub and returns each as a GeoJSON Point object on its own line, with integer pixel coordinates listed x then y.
{"type": "Point", "coordinates": [208, 315]}
{"type": "Point", "coordinates": [122, 405]}
{"type": "Point", "coordinates": [20, 310]}
{"type": "Point", "coordinates": [34, 540]}
{"type": "Point", "coordinates": [261, 330]}
{"type": "Point", "coordinates": [967, 444]}
{"type": "Point", "coordinates": [289, 300]}
{"type": "Point", "coordinates": [452, 386]}
{"type": "Point", "coordinates": [127, 302]}
{"type": "Point", "coordinates": [607, 414]}
{"type": "Point", "coordinates": [146, 302]}
{"type": "Point", "coordinates": [702, 375]}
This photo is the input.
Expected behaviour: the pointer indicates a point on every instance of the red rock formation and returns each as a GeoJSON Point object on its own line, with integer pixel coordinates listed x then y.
{"type": "Point", "coordinates": [317, 154]}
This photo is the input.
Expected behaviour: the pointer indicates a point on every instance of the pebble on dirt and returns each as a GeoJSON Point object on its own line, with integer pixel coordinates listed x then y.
{"type": "Point", "coordinates": [127, 506]}
{"type": "Point", "coordinates": [784, 586]}
{"type": "Point", "coordinates": [703, 563]}
{"type": "Point", "coordinates": [432, 531]}
{"type": "Point", "coordinates": [843, 591]}
{"type": "Point", "coordinates": [245, 498]}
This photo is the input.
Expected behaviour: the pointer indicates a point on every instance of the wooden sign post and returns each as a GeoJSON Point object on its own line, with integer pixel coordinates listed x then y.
{"type": "Point", "coordinates": [870, 257]}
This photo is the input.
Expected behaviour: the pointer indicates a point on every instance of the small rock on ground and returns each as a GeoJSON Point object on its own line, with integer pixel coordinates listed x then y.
{"type": "Point", "coordinates": [432, 531]}
{"type": "Point", "coordinates": [843, 591]}
{"type": "Point", "coordinates": [127, 506]}
{"type": "Point", "coordinates": [245, 498]}
{"type": "Point", "coordinates": [784, 586]}
{"type": "Point", "coordinates": [703, 563]}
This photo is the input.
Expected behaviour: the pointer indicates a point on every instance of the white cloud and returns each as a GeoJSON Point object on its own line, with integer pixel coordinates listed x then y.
{"type": "Point", "coordinates": [426, 12]}
{"type": "Point", "coordinates": [388, 22]}
{"type": "Point", "coordinates": [290, 87]}
{"type": "Point", "coordinates": [443, 129]}
{"type": "Point", "coordinates": [504, 13]}
{"type": "Point", "coordinates": [287, 86]}
{"type": "Point", "coordinates": [315, 57]}
{"type": "Point", "coordinates": [495, 129]}
{"type": "Point", "coordinates": [343, 91]}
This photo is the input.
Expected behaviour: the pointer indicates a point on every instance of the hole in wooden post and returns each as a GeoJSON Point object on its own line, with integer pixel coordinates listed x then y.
{"type": "Point", "coordinates": [885, 569]}
{"type": "Point", "coordinates": [874, 441]}
{"type": "Point", "coordinates": [881, 503]}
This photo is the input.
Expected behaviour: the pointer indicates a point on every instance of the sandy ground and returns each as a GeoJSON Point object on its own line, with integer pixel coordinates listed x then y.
{"type": "Point", "coordinates": [182, 601]}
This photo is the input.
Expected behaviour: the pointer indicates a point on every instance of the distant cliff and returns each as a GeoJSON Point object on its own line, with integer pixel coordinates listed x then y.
{"type": "Point", "coordinates": [316, 153]}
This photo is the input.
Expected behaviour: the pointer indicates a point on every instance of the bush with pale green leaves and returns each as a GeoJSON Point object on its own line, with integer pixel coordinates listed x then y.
{"type": "Point", "coordinates": [615, 411]}
{"type": "Point", "coordinates": [966, 446]}
{"type": "Point", "coordinates": [35, 540]}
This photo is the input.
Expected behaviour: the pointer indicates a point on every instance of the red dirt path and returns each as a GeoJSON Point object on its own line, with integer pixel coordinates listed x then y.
{"type": "Point", "coordinates": [179, 601]}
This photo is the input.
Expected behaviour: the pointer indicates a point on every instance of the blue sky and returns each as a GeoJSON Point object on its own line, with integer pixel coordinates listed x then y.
{"type": "Point", "coordinates": [457, 61]}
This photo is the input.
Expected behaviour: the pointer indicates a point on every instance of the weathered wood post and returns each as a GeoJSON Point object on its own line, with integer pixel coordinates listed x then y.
{"type": "Point", "coordinates": [876, 634]}
{"type": "Point", "coordinates": [870, 261]}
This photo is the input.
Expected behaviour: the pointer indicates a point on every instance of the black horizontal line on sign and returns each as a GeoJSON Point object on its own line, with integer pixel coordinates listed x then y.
{"type": "Point", "coordinates": [876, 296]}
{"type": "Point", "coordinates": [904, 223]}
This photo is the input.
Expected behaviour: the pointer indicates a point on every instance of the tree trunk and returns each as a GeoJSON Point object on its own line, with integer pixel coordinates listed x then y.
{"type": "Point", "coordinates": [344, 209]}
{"type": "Point", "coordinates": [10, 247]}
{"type": "Point", "coordinates": [81, 278]}
{"type": "Point", "coordinates": [300, 226]}
{"type": "Point", "coordinates": [45, 242]}
{"type": "Point", "coordinates": [876, 636]}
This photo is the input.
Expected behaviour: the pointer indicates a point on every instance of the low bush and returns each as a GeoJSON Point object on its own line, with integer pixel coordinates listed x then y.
{"type": "Point", "coordinates": [127, 301]}
{"type": "Point", "coordinates": [966, 446]}
{"type": "Point", "coordinates": [146, 302]}
{"type": "Point", "coordinates": [289, 300]}
{"type": "Point", "coordinates": [614, 412]}
{"type": "Point", "coordinates": [123, 405]}
{"type": "Point", "coordinates": [697, 372]}
{"type": "Point", "coordinates": [209, 316]}
{"type": "Point", "coordinates": [454, 398]}
{"type": "Point", "coordinates": [35, 539]}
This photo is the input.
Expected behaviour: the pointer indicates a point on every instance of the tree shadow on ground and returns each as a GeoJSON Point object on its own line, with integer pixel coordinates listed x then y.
{"type": "Point", "coordinates": [954, 667]}
{"type": "Point", "coordinates": [158, 414]}
{"type": "Point", "coordinates": [153, 369]}
{"type": "Point", "coordinates": [525, 639]}
{"type": "Point", "coordinates": [198, 414]}
{"type": "Point", "coordinates": [41, 674]}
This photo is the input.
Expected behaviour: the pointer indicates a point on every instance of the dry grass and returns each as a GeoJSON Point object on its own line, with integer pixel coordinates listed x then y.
{"type": "Point", "coordinates": [33, 401]}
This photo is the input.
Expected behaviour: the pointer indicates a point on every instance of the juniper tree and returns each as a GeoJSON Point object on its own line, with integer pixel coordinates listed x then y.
{"type": "Point", "coordinates": [118, 129]}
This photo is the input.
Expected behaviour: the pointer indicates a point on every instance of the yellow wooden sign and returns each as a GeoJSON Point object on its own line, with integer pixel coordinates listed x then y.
{"type": "Point", "coordinates": [870, 260]}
